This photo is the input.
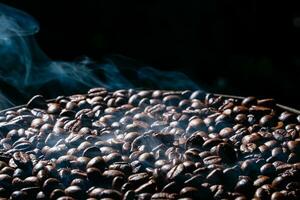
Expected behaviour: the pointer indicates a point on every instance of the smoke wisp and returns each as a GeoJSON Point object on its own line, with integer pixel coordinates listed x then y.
{"type": "Point", "coordinates": [26, 69]}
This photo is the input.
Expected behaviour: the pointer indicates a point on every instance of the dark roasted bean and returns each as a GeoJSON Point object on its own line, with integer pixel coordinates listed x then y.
{"type": "Point", "coordinates": [97, 162]}
{"type": "Point", "coordinates": [149, 145]}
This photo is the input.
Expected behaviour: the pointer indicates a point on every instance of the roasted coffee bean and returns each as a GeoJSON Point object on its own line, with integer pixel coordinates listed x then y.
{"type": "Point", "coordinates": [268, 169]}
{"type": "Point", "coordinates": [226, 152]}
{"type": "Point", "coordinates": [16, 195]}
{"type": "Point", "coordinates": [149, 144]}
{"type": "Point", "coordinates": [212, 160]}
{"type": "Point", "coordinates": [93, 174]}
{"type": "Point", "coordinates": [97, 162]}
{"type": "Point", "coordinates": [226, 132]}
{"type": "Point", "coordinates": [268, 120]}
{"type": "Point", "coordinates": [244, 186]}
{"type": "Point", "coordinates": [138, 179]}
{"type": "Point", "coordinates": [22, 160]}
{"type": "Point", "coordinates": [57, 193]}
{"type": "Point", "coordinates": [129, 195]}
{"type": "Point", "coordinates": [148, 187]}
{"type": "Point", "coordinates": [147, 159]}
{"type": "Point", "coordinates": [249, 101]}
{"type": "Point", "coordinates": [51, 184]}
{"type": "Point", "coordinates": [163, 196]}
{"type": "Point", "coordinates": [262, 180]}
{"type": "Point", "coordinates": [176, 173]}
{"type": "Point", "coordinates": [195, 141]}
{"type": "Point", "coordinates": [75, 192]}
{"type": "Point", "coordinates": [190, 192]}
{"type": "Point", "coordinates": [196, 124]}
{"type": "Point", "coordinates": [278, 196]}
{"type": "Point", "coordinates": [294, 146]}
{"type": "Point", "coordinates": [91, 152]}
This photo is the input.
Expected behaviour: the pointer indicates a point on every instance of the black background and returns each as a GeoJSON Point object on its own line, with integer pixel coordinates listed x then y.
{"type": "Point", "coordinates": [241, 48]}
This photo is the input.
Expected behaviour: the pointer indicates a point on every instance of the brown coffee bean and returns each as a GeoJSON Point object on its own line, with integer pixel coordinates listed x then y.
{"type": "Point", "coordinates": [268, 120]}
{"type": "Point", "coordinates": [294, 146]}
{"type": "Point", "coordinates": [75, 192]}
{"type": "Point", "coordinates": [176, 173]}
{"type": "Point", "coordinates": [93, 174]}
{"type": "Point", "coordinates": [148, 187]}
{"type": "Point", "coordinates": [278, 196]}
{"type": "Point", "coordinates": [261, 180]}
{"type": "Point", "coordinates": [190, 192]}
{"type": "Point", "coordinates": [147, 159]}
{"type": "Point", "coordinates": [16, 195]}
{"type": "Point", "coordinates": [163, 196]}
{"type": "Point", "coordinates": [212, 160]}
{"type": "Point", "coordinates": [57, 193]}
{"type": "Point", "coordinates": [248, 147]}
{"type": "Point", "coordinates": [195, 141]}
{"type": "Point", "coordinates": [129, 195]}
{"type": "Point", "coordinates": [244, 186]}
{"type": "Point", "coordinates": [139, 178]}
{"type": "Point", "coordinates": [249, 101]}
{"type": "Point", "coordinates": [196, 124]}
{"type": "Point", "coordinates": [226, 132]}
{"type": "Point", "coordinates": [215, 177]}
{"type": "Point", "coordinates": [97, 162]}
{"type": "Point", "coordinates": [226, 152]}
{"type": "Point", "coordinates": [51, 184]}
{"type": "Point", "coordinates": [262, 193]}
{"type": "Point", "coordinates": [268, 169]}
{"type": "Point", "coordinates": [22, 160]}
{"type": "Point", "coordinates": [171, 100]}
{"type": "Point", "coordinates": [91, 152]}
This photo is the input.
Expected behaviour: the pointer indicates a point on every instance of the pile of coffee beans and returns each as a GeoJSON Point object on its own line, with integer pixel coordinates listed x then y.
{"type": "Point", "coordinates": [131, 144]}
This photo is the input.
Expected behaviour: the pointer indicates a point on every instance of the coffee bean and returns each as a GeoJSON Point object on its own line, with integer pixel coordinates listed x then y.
{"type": "Point", "coordinates": [190, 192]}
{"type": "Point", "coordinates": [249, 101]}
{"type": "Point", "coordinates": [195, 141]}
{"type": "Point", "coordinates": [51, 184]}
{"type": "Point", "coordinates": [268, 169]}
{"type": "Point", "coordinates": [129, 195]}
{"type": "Point", "coordinates": [138, 178]}
{"type": "Point", "coordinates": [277, 196]}
{"type": "Point", "coordinates": [149, 144]}
{"type": "Point", "coordinates": [176, 173]}
{"type": "Point", "coordinates": [171, 100]}
{"type": "Point", "coordinates": [147, 159]}
{"type": "Point", "coordinates": [93, 174]}
{"type": "Point", "coordinates": [16, 195]}
{"type": "Point", "coordinates": [97, 162]}
{"type": "Point", "coordinates": [196, 124]}
{"type": "Point", "coordinates": [261, 180]}
{"type": "Point", "coordinates": [268, 120]}
{"type": "Point", "coordinates": [244, 186]}
{"type": "Point", "coordinates": [294, 146]}
{"type": "Point", "coordinates": [226, 152]}
{"type": "Point", "coordinates": [91, 152]}
{"type": "Point", "coordinates": [75, 192]}
{"type": "Point", "coordinates": [22, 160]}
{"type": "Point", "coordinates": [57, 193]}
{"type": "Point", "coordinates": [148, 187]}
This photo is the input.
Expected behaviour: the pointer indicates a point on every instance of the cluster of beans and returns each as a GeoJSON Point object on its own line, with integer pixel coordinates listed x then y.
{"type": "Point", "coordinates": [130, 144]}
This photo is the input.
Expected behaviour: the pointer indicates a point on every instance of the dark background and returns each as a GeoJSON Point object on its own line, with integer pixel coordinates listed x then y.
{"type": "Point", "coordinates": [231, 47]}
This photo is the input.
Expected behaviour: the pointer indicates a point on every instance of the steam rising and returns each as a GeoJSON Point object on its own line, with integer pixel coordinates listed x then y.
{"type": "Point", "coordinates": [26, 68]}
